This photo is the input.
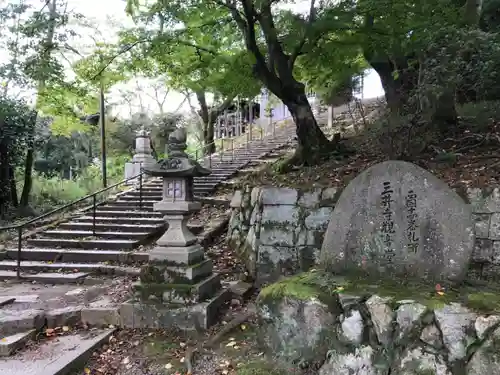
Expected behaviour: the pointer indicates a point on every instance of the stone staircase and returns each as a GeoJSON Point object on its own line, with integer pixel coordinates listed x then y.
{"type": "Point", "coordinates": [70, 251]}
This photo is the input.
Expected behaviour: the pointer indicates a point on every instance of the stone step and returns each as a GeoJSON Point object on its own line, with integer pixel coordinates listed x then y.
{"type": "Point", "coordinates": [62, 356]}
{"type": "Point", "coordinates": [106, 211]}
{"type": "Point", "coordinates": [129, 210]}
{"type": "Point", "coordinates": [104, 244]}
{"type": "Point", "coordinates": [10, 344]}
{"type": "Point", "coordinates": [111, 226]}
{"type": "Point", "coordinates": [135, 202]}
{"type": "Point", "coordinates": [72, 268]}
{"type": "Point", "coordinates": [156, 197]}
{"type": "Point", "coordinates": [77, 256]}
{"type": "Point", "coordinates": [121, 220]}
{"type": "Point", "coordinates": [46, 278]}
{"type": "Point", "coordinates": [88, 233]}
{"type": "Point", "coordinates": [135, 198]}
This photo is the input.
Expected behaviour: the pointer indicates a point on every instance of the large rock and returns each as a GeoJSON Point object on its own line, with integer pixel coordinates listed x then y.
{"type": "Point", "coordinates": [297, 322]}
{"type": "Point", "coordinates": [397, 218]}
{"type": "Point", "coordinates": [358, 363]}
{"type": "Point", "coordinates": [486, 360]}
{"type": "Point", "coordinates": [457, 325]}
{"type": "Point", "coordinates": [417, 361]}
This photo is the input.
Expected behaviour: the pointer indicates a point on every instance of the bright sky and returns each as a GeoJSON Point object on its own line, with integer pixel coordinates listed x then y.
{"type": "Point", "coordinates": [109, 14]}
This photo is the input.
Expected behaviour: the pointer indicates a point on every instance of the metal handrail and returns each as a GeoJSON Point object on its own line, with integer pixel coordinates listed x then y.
{"type": "Point", "coordinates": [93, 196]}
{"type": "Point", "coordinates": [199, 152]}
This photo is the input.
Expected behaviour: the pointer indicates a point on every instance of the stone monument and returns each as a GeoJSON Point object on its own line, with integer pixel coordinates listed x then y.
{"type": "Point", "coordinates": [396, 218]}
{"type": "Point", "coordinates": [177, 287]}
{"type": "Point", "coordinates": [142, 155]}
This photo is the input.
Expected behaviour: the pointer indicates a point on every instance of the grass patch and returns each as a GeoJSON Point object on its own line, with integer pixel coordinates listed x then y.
{"type": "Point", "coordinates": [261, 367]}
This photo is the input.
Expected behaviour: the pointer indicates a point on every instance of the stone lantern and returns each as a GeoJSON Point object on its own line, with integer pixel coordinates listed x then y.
{"type": "Point", "coordinates": [142, 155]}
{"type": "Point", "coordinates": [143, 151]}
{"type": "Point", "coordinates": [177, 287]}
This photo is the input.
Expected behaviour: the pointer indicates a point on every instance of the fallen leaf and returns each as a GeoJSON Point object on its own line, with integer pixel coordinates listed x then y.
{"type": "Point", "coordinates": [86, 370]}
{"type": "Point", "coordinates": [168, 366]}
{"type": "Point", "coordinates": [440, 293]}
{"type": "Point", "coordinates": [182, 360]}
{"type": "Point", "coordinates": [231, 344]}
{"type": "Point", "coordinates": [65, 328]}
{"type": "Point", "coordinates": [243, 327]}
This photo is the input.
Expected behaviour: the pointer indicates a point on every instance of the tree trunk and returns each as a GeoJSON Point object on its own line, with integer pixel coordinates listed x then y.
{"type": "Point", "coordinates": [312, 142]}
{"type": "Point", "coordinates": [5, 196]}
{"type": "Point", "coordinates": [397, 87]}
{"type": "Point", "coordinates": [209, 117]}
{"type": "Point", "coordinates": [208, 136]}
{"type": "Point", "coordinates": [13, 187]}
{"type": "Point", "coordinates": [28, 178]}
{"type": "Point", "coordinates": [445, 117]}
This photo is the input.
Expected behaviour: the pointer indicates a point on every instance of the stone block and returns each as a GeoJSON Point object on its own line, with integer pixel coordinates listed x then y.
{"type": "Point", "coordinates": [255, 196]}
{"type": "Point", "coordinates": [205, 289]}
{"type": "Point", "coordinates": [12, 322]}
{"type": "Point", "coordinates": [483, 250]}
{"type": "Point", "coordinates": [482, 225]}
{"type": "Point", "coordinates": [319, 218]}
{"type": "Point", "coordinates": [189, 274]}
{"type": "Point", "coordinates": [187, 255]}
{"type": "Point", "coordinates": [256, 215]}
{"type": "Point", "coordinates": [10, 344]}
{"type": "Point", "coordinates": [277, 236]}
{"type": "Point", "coordinates": [279, 196]}
{"type": "Point", "coordinates": [328, 197]}
{"type": "Point", "coordinates": [203, 315]}
{"type": "Point", "coordinates": [236, 200]}
{"type": "Point", "coordinates": [100, 316]}
{"type": "Point", "coordinates": [274, 262]}
{"type": "Point", "coordinates": [309, 199]}
{"type": "Point", "coordinates": [308, 257]}
{"type": "Point", "coordinates": [483, 200]}
{"type": "Point", "coordinates": [495, 249]}
{"type": "Point", "coordinates": [494, 226]}
{"type": "Point", "coordinates": [65, 316]}
{"type": "Point", "coordinates": [280, 215]}
{"type": "Point", "coordinates": [311, 237]}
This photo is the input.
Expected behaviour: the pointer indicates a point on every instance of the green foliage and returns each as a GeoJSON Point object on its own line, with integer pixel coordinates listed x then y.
{"type": "Point", "coordinates": [51, 192]}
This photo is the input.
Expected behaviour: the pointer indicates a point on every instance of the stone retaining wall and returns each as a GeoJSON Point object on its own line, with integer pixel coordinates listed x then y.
{"type": "Point", "coordinates": [279, 231]}
{"type": "Point", "coordinates": [346, 328]}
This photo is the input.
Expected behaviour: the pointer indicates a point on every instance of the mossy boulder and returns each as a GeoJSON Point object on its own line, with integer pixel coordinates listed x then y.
{"type": "Point", "coordinates": [298, 316]}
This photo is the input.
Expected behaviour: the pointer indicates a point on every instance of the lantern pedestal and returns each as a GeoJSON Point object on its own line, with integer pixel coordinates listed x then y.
{"type": "Point", "coordinates": [178, 287]}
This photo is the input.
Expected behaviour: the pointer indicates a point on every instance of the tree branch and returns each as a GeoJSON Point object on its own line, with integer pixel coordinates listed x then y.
{"type": "Point", "coordinates": [298, 49]}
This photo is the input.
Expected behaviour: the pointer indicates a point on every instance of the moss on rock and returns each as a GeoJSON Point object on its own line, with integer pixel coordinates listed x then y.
{"type": "Point", "coordinates": [304, 286]}
{"type": "Point", "coordinates": [324, 286]}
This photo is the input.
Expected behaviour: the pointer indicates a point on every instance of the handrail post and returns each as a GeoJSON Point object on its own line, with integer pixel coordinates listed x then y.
{"type": "Point", "coordinates": [19, 249]}
{"type": "Point", "coordinates": [140, 191]}
{"type": "Point", "coordinates": [232, 150]}
{"type": "Point", "coordinates": [94, 204]}
{"type": "Point", "coordinates": [274, 129]}
{"type": "Point", "coordinates": [209, 156]}
{"type": "Point", "coordinates": [221, 149]}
